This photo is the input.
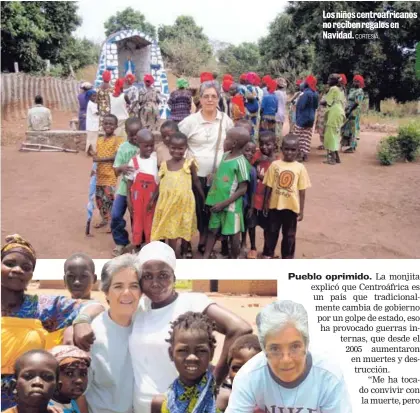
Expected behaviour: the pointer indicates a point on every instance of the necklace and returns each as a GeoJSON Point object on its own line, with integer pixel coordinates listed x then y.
{"type": "Point", "coordinates": [208, 131]}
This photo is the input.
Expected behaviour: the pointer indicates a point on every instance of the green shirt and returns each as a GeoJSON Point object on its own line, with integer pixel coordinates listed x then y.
{"type": "Point", "coordinates": [125, 152]}
{"type": "Point", "coordinates": [229, 174]}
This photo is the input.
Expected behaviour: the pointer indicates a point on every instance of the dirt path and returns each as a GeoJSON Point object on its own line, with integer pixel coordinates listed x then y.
{"type": "Point", "coordinates": [358, 209]}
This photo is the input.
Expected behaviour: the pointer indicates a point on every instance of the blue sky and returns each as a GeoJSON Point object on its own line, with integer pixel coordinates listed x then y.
{"type": "Point", "coordinates": [230, 21]}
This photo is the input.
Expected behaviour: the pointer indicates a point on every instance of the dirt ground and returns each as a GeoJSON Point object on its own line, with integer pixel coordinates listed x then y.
{"type": "Point", "coordinates": [244, 306]}
{"type": "Point", "coordinates": [358, 209]}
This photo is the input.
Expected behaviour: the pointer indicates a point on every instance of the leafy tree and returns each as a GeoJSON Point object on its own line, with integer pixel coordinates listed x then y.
{"type": "Point", "coordinates": [34, 31]}
{"type": "Point", "coordinates": [240, 59]}
{"type": "Point", "coordinates": [129, 19]}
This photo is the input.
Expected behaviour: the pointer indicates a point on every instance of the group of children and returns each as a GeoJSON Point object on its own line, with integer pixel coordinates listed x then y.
{"type": "Point", "coordinates": [160, 186]}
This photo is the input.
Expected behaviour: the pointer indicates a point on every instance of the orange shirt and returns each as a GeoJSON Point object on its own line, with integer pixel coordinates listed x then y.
{"type": "Point", "coordinates": [105, 148]}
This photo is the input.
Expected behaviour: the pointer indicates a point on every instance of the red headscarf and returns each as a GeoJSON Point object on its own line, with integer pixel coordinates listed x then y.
{"type": "Point", "coordinates": [299, 82]}
{"type": "Point", "coordinates": [251, 77]}
{"type": "Point", "coordinates": [130, 78]}
{"type": "Point", "coordinates": [266, 79]}
{"type": "Point", "coordinates": [242, 76]}
{"type": "Point", "coordinates": [206, 77]}
{"type": "Point", "coordinates": [118, 87]}
{"type": "Point", "coordinates": [226, 84]}
{"type": "Point", "coordinates": [360, 79]}
{"type": "Point", "coordinates": [149, 79]}
{"type": "Point", "coordinates": [343, 79]}
{"type": "Point", "coordinates": [227, 76]}
{"type": "Point", "coordinates": [257, 81]}
{"type": "Point", "coordinates": [272, 86]}
{"type": "Point", "coordinates": [311, 82]}
{"type": "Point", "coordinates": [106, 76]}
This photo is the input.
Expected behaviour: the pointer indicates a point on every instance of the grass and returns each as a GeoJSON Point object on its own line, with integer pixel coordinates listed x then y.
{"type": "Point", "coordinates": [183, 285]}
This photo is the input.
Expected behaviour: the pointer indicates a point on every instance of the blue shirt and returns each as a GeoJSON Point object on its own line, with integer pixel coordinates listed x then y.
{"type": "Point", "coordinates": [269, 104]}
{"type": "Point", "coordinates": [306, 107]}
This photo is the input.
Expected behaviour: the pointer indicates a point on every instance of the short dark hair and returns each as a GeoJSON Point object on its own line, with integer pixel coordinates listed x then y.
{"type": "Point", "coordinates": [248, 341]}
{"type": "Point", "coordinates": [83, 256]}
{"type": "Point", "coordinates": [193, 321]}
{"type": "Point", "coordinates": [19, 362]}
{"type": "Point", "coordinates": [290, 137]}
{"type": "Point", "coordinates": [39, 100]}
{"type": "Point", "coordinates": [132, 121]}
{"type": "Point", "coordinates": [179, 136]}
{"type": "Point", "coordinates": [110, 115]}
{"type": "Point", "coordinates": [268, 134]}
{"type": "Point", "coordinates": [169, 124]}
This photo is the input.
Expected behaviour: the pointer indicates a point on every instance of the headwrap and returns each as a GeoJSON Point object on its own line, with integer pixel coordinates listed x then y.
{"type": "Point", "coordinates": [343, 79]}
{"type": "Point", "coordinates": [200, 398]}
{"type": "Point", "coordinates": [69, 354]}
{"type": "Point", "coordinates": [227, 83]}
{"type": "Point", "coordinates": [206, 77]}
{"type": "Point", "coordinates": [257, 81]}
{"type": "Point", "coordinates": [157, 251]}
{"type": "Point", "coordinates": [311, 82]}
{"type": "Point", "coordinates": [15, 243]}
{"type": "Point", "coordinates": [182, 83]}
{"type": "Point", "coordinates": [299, 82]}
{"type": "Point", "coordinates": [227, 76]}
{"type": "Point", "coordinates": [266, 79]}
{"type": "Point", "coordinates": [281, 82]}
{"type": "Point", "coordinates": [149, 79]}
{"type": "Point", "coordinates": [118, 87]}
{"type": "Point", "coordinates": [243, 76]}
{"type": "Point", "coordinates": [106, 76]}
{"type": "Point", "coordinates": [250, 77]}
{"type": "Point", "coordinates": [360, 79]}
{"type": "Point", "coordinates": [130, 78]}
{"type": "Point", "coordinates": [89, 93]}
{"type": "Point", "coordinates": [271, 86]}
{"type": "Point", "coordinates": [86, 85]}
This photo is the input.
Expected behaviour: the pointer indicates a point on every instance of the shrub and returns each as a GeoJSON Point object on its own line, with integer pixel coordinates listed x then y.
{"type": "Point", "coordinates": [388, 150]}
{"type": "Point", "coordinates": [409, 141]}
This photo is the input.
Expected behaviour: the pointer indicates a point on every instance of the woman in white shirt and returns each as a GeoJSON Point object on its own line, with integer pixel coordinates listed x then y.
{"type": "Point", "coordinates": [119, 107]}
{"type": "Point", "coordinates": [92, 121]}
{"type": "Point", "coordinates": [153, 369]}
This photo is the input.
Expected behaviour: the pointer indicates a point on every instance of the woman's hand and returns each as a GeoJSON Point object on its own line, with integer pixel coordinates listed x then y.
{"type": "Point", "coordinates": [83, 336]}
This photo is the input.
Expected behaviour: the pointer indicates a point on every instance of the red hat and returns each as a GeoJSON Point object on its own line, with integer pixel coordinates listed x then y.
{"type": "Point", "coordinates": [311, 82]}
{"type": "Point", "coordinates": [242, 76]}
{"type": "Point", "coordinates": [226, 84]}
{"type": "Point", "coordinates": [360, 79]}
{"type": "Point", "coordinates": [257, 81]}
{"type": "Point", "coordinates": [130, 78]}
{"type": "Point", "coordinates": [106, 76]}
{"type": "Point", "coordinates": [299, 82]}
{"type": "Point", "coordinates": [149, 79]}
{"type": "Point", "coordinates": [228, 76]}
{"type": "Point", "coordinates": [206, 77]}
{"type": "Point", "coordinates": [272, 86]}
{"type": "Point", "coordinates": [343, 79]}
{"type": "Point", "coordinates": [266, 79]}
{"type": "Point", "coordinates": [118, 87]}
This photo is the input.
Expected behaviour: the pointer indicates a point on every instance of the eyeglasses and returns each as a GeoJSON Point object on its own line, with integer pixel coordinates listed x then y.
{"type": "Point", "coordinates": [295, 352]}
{"type": "Point", "coordinates": [208, 97]}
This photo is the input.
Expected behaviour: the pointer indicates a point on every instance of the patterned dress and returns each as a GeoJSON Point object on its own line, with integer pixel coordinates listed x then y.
{"type": "Point", "coordinates": [175, 215]}
{"type": "Point", "coordinates": [29, 328]}
{"type": "Point", "coordinates": [351, 129]}
{"type": "Point", "coordinates": [149, 108]}
{"type": "Point", "coordinates": [103, 101]}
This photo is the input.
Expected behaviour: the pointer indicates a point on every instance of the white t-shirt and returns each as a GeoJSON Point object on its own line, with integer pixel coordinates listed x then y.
{"type": "Point", "coordinates": [111, 378]}
{"type": "Point", "coordinates": [322, 390]}
{"type": "Point", "coordinates": [119, 107]}
{"type": "Point", "coordinates": [92, 117]}
{"type": "Point", "coordinates": [202, 139]}
{"type": "Point", "coordinates": [153, 369]}
{"type": "Point", "coordinates": [147, 166]}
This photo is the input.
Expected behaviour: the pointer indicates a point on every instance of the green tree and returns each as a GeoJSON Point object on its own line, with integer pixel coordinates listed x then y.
{"type": "Point", "coordinates": [129, 19]}
{"type": "Point", "coordinates": [34, 31]}
{"type": "Point", "coordinates": [240, 59]}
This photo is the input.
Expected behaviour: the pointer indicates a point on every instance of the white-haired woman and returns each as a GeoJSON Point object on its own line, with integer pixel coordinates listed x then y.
{"type": "Point", "coordinates": [111, 379]}
{"type": "Point", "coordinates": [206, 132]}
{"type": "Point", "coordinates": [286, 375]}
{"type": "Point", "coordinates": [153, 369]}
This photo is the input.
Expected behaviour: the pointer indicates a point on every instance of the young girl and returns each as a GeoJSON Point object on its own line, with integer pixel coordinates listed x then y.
{"type": "Point", "coordinates": [141, 187]}
{"type": "Point", "coordinates": [36, 376]}
{"type": "Point", "coordinates": [73, 377]}
{"type": "Point", "coordinates": [175, 215]}
{"type": "Point", "coordinates": [192, 345]}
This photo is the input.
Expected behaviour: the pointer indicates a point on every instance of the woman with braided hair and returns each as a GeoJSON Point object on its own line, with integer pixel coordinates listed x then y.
{"type": "Point", "coordinates": [153, 369]}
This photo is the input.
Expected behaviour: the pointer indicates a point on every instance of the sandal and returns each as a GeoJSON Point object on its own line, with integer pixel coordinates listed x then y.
{"type": "Point", "coordinates": [101, 224]}
{"type": "Point", "coordinates": [349, 150]}
{"type": "Point", "coordinates": [252, 255]}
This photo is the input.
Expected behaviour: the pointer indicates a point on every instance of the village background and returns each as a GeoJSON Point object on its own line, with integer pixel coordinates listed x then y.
{"type": "Point", "coordinates": [359, 209]}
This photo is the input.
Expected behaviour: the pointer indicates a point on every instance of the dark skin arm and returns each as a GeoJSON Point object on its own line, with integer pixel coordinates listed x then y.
{"type": "Point", "coordinates": [267, 196]}
{"type": "Point", "coordinates": [129, 203]}
{"type": "Point", "coordinates": [157, 402]}
{"type": "Point", "coordinates": [196, 181]}
{"type": "Point", "coordinates": [232, 327]}
{"type": "Point", "coordinates": [153, 200]}
{"type": "Point", "coordinates": [108, 159]}
{"type": "Point", "coordinates": [302, 193]}
{"type": "Point", "coordinates": [239, 192]}
{"type": "Point", "coordinates": [68, 336]}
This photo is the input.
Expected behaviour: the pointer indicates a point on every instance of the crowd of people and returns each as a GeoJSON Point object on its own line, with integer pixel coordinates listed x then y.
{"type": "Point", "coordinates": [150, 349]}
{"type": "Point", "coordinates": [222, 170]}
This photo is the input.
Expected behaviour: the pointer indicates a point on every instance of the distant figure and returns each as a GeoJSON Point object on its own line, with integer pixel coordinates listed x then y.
{"type": "Point", "coordinates": [39, 117]}
{"type": "Point", "coordinates": [83, 102]}
{"type": "Point", "coordinates": [129, 67]}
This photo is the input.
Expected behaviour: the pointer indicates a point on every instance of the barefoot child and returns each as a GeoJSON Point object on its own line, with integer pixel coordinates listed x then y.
{"type": "Point", "coordinates": [36, 378]}
{"type": "Point", "coordinates": [141, 187]}
{"type": "Point", "coordinates": [73, 377]}
{"type": "Point", "coordinates": [228, 188]}
{"type": "Point", "coordinates": [106, 180]}
{"type": "Point", "coordinates": [284, 200]}
{"type": "Point", "coordinates": [79, 276]}
{"type": "Point", "coordinates": [248, 200]}
{"type": "Point", "coordinates": [125, 153]}
{"type": "Point", "coordinates": [167, 130]}
{"type": "Point", "coordinates": [192, 345]}
{"type": "Point", "coordinates": [265, 157]}
{"type": "Point", "coordinates": [175, 215]}
{"type": "Point", "coordinates": [242, 350]}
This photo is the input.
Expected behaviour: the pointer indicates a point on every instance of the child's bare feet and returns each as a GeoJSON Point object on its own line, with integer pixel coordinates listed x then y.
{"type": "Point", "coordinates": [102, 224]}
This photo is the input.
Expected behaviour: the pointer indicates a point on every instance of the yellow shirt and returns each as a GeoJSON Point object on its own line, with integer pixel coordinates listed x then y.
{"type": "Point", "coordinates": [286, 179]}
{"type": "Point", "coordinates": [107, 147]}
